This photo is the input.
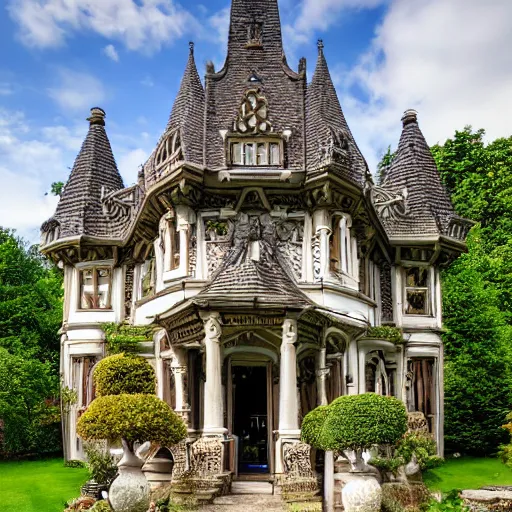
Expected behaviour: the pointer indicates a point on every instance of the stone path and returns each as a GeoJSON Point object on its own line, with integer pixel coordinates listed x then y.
{"type": "Point", "coordinates": [247, 497]}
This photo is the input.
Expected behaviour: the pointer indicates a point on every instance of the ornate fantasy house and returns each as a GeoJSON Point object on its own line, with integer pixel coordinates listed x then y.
{"type": "Point", "coordinates": [258, 247]}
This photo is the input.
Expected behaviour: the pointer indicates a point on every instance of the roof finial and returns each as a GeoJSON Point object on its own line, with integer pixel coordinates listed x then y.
{"type": "Point", "coordinates": [97, 116]}
{"type": "Point", "coordinates": [410, 116]}
{"type": "Point", "coordinates": [191, 46]}
{"type": "Point", "coordinates": [320, 44]}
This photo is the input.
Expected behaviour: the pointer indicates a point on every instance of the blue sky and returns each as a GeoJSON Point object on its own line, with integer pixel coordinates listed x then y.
{"type": "Point", "coordinates": [449, 59]}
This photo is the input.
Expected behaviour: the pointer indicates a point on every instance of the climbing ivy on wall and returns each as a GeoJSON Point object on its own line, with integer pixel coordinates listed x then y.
{"type": "Point", "coordinates": [126, 338]}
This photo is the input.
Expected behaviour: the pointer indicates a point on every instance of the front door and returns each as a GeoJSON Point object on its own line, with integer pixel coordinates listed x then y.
{"type": "Point", "coordinates": [250, 418]}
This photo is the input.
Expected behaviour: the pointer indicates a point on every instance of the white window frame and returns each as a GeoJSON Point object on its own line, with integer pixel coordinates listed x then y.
{"type": "Point", "coordinates": [252, 142]}
{"type": "Point", "coordinates": [428, 290]}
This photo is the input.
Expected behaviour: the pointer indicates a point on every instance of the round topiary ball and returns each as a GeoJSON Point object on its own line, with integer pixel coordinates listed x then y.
{"type": "Point", "coordinates": [361, 421]}
{"type": "Point", "coordinates": [124, 374]}
{"type": "Point", "coordinates": [312, 426]}
{"type": "Point", "coordinates": [134, 418]}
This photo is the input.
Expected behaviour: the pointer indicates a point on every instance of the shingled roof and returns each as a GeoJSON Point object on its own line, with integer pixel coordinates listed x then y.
{"type": "Point", "coordinates": [262, 282]}
{"type": "Point", "coordinates": [325, 116]}
{"type": "Point", "coordinates": [94, 174]}
{"type": "Point", "coordinates": [255, 60]}
{"type": "Point", "coordinates": [187, 115]}
{"type": "Point", "coordinates": [429, 208]}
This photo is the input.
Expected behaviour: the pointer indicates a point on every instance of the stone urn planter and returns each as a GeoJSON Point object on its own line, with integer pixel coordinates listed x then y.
{"type": "Point", "coordinates": [130, 491]}
{"type": "Point", "coordinates": [362, 491]}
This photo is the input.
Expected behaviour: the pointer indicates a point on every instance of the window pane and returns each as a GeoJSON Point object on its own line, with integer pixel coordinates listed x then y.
{"type": "Point", "coordinates": [103, 288]}
{"type": "Point", "coordinates": [88, 299]}
{"type": "Point", "coordinates": [417, 277]}
{"type": "Point", "coordinates": [274, 154]}
{"type": "Point", "coordinates": [416, 302]}
{"type": "Point", "coordinates": [250, 157]}
{"type": "Point", "coordinates": [262, 154]}
{"type": "Point", "coordinates": [236, 153]}
{"type": "Point", "coordinates": [175, 252]}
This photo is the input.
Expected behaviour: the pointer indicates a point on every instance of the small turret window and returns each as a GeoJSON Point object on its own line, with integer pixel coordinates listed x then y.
{"type": "Point", "coordinates": [417, 291]}
{"type": "Point", "coordinates": [95, 288]}
{"type": "Point", "coordinates": [252, 153]}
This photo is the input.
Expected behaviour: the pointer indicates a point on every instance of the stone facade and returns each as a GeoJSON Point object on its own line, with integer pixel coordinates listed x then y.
{"type": "Point", "coordinates": [257, 245]}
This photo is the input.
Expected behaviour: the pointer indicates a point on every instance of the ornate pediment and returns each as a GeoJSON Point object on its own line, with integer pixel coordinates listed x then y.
{"type": "Point", "coordinates": [253, 115]}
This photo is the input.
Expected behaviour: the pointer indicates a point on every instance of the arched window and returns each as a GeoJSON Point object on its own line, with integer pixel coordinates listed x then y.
{"type": "Point", "coordinates": [169, 150]}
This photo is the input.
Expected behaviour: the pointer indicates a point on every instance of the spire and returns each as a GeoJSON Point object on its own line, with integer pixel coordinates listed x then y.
{"type": "Point", "coordinates": [414, 169]}
{"type": "Point", "coordinates": [325, 116]}
{"type": "Point", "coordinates": [94, 174]}
{"type": "Point", "coordinates": [255, 25]}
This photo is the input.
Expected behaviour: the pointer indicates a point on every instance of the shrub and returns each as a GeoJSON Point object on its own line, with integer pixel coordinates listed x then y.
{"type": "Point", "coordinates": [121, 374]}
{"type": "Point", "coordinates": [400, 497]}
{"type": "Point", "coordinates": [100, 464]}
{"type": "Point", "coordinates": [132, 418]}
{"type": "Point", "coordinates": [125, 337]}
{"type": "Point", "coordinates": [361, 421]}
{"type": "Point", "coordinates": [101, 506]}
{"type": "Point", "coordinates": [386, 332]}
{"type": "Point", "coordinates": [312, 426]}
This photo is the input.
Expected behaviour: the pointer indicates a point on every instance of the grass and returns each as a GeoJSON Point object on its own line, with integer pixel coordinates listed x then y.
{"type": "Point", "coordinates": [38, 486]}
{"type": "Point", "coordinates": [468, 473]}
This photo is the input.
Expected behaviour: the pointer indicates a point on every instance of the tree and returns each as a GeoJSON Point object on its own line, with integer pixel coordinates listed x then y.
{"type": "Point", "coordinates": [127, 409]}
{"type": "Point", "coordinates": [57, 188]}
{"type": "Point", "coordinates": [28, 406]}
{"type": "Point", "coordinates": [384, 165]}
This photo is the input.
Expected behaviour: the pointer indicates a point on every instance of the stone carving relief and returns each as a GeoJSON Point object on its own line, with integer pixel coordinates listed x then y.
{"type": "Point", "coordinates": [206, 457]}
{"type": "Point", "coordinates": [317, 255]}
{"type": "Point", "coordinates": [290, 238]}
{"type": "Point", "coordinates": [179, 455]}
{"type": "Point", "coordinates": [297, 459]}
{"type": "Point", "coordinates": [120, 205]}
{"type": "Point", "coordinates": [389, 205]}
{"type": "Point", "coordinates": [253, 114]}
{"type": "Point", "coordinates": [335, 148]}
{"type": "Point", "coordinates": [128, 290]}
{"type": "Point", "coordinates": [416, 422]}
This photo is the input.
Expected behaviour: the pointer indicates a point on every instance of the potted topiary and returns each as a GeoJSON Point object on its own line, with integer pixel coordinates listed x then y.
{"type": "Point", "coordinates": [349, 425]}
{"type": "Point", "coordinates": [127, 410]}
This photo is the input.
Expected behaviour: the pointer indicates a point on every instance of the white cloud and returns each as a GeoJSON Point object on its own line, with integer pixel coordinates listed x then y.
{"type": "Point", "coordinates": [6, 89]}
{"type": "Point", "coordinates": [111, 52]}
{"type": "Point", "coordinates": [28, 164]}
{"type": "Point", "coordinates": [77, 90]}
{"type": "Point", "coordinates": [439, 58]}
{"type": "Point", "coordinates": [143, 25]}
{"type": "Point", "coordinates": [129, 164]}
{"type": "Point", "coordinates": [319, 15]}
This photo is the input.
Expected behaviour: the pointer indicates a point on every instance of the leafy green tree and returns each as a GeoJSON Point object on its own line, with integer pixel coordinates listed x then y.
{"type": "Point", "coordinates": [57, 188]}
{"type": "Point", "coordinates": [384, 165]}
{"type": "Point", "coordinates": [28, 406]}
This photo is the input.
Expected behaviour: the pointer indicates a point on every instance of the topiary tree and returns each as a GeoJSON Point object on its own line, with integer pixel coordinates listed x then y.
{"type": "Point", "coordinates": [131, 418]}
{"type": "Point", "coordinates": [124, 374]}
{"type": "Point", "coordinates": [360, 421]}
{"type": "Point", "coordinates": [312, 426]}
{"type": "Point", "coordinates": [128, 410]}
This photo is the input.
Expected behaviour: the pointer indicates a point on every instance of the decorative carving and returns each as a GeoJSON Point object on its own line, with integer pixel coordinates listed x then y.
{"type": "Point", "coordinates": [386, 292]}
{"type": "Point", "coordinates": [290, 331]}
{"type": "Point", "coordinates": [212, 327]}
{"type": "Point", "coordinates": [215, 253]}
{"type": "Point", "coordinates": [206, 457]}
{"type": "Point", "coordinates": [297, 460]}
{"type": "Point", "coordinates": [290, 235]}
{"type": "Point", "coordinates": [120, 205]}
{"type": "Point", "coordinates": [128, 290]}
{"type": "Point", "coordinates": [169, 151]}
{"type": "Point", "coordinates": [179, 455]}
{"type": "Point", "coordinates": [388, 204]}
{"type": "Point", "coordinates": [317, 254]}
{"type": "Point", "coordinates": [335, 148]}
{"type": "Point", "coordinates": [254, 34]}
{"type": "Point", "coordinates": [326, 195]}
{"type": "Point", "coordinates": [416, 422]}
{"type": "Point", "coordinates": [253, 114]}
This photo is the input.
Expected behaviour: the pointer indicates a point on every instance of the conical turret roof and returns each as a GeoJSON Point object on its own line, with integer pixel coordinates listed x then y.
{"type": "Point", "coordinates": [414, 173]}
{"type": "Point", "coordinates": [325, 120]}
{"type": "Point", "coordinates": [94, 175]}
{"type": "Point", "coordinates": [187, 116]}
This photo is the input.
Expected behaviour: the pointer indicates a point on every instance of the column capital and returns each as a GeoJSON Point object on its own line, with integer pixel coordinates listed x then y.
{"type": "Point", "coordinates": [212, 325]}
{"type": "Point", "coordinates": [290, 331]}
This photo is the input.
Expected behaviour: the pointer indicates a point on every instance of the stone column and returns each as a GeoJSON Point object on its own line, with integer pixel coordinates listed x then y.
{"type": "Point", "coordinates": [321, 260]}
{"type": "Point", "coordinates": [321, 374]}
{"type": "Point", "coordinates": [213, 402]}
{"type": "Point", "coordinates": [288, 402]}
{"type": "Point", "coordinates": [179, 369]}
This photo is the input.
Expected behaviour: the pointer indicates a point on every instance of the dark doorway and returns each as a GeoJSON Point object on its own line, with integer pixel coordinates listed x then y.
{"type": "Point", "coordinates": [250, 422]}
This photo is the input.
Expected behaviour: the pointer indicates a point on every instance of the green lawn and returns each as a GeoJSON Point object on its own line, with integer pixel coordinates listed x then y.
{"type": "Point", "coordinates": [468, 473]}
{"type": "Point", "coordinates": [38, 486]}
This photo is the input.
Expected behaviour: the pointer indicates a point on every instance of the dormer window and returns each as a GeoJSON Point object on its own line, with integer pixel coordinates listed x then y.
{"type": "Point", "coordinates": [256, 153]}
{"type": "Point", "coordinates": [417, 291]}
{"type": "Point", "coordinates": [95, 288]}
{"type": "Point", "coordinates": [169, 150]}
